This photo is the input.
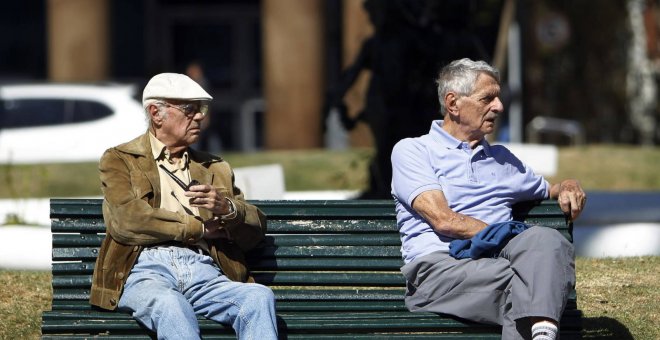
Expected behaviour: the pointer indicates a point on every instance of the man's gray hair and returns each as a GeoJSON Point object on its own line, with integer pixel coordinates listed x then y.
{"type": "Point", "coordinates": [460, 76]}
{"type": "Point", "coordinates": [152, 101]}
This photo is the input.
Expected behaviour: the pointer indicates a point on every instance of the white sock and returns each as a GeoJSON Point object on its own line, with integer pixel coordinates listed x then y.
{"type": "Point", "coordinates": [544, 330]}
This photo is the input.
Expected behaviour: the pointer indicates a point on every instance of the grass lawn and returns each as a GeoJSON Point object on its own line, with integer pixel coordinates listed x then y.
{"type": "Point", "coordinates": [23, 296]}
{"type": "Point", "coordinates": [598, 167]}
{"type": "Point", "coordinates": [620, 299]}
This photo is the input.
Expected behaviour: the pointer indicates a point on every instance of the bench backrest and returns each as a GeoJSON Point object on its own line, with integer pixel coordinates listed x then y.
{"type": "Point", "coordinates": [317, 254]}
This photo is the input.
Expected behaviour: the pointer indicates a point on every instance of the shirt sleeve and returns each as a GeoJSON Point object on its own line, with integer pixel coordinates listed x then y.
{"type": "Point", "coordinates": [531, 185]}
{"type": "Point", "coordinates": [412, 172]}
{"type": "Point", "coordinates": [535, 186]}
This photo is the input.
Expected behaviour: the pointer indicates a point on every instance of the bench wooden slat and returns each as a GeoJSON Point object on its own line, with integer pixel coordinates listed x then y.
{"type": "Point", "coordinates": [71, 254]}
{"type": "Point", "coordinates": [371, 209]}
{"type": "Point", "coordinates": [340, 260]}
{"type": "Point", "coordinates": [75, 207]}
{"type": "Point", "coordinates": [84, 224]}
{"type": "Point", "coordinates": [290, 209]}
{"type": "Point", "coordinates": [95, 224]}
{"type": "Point", "coordinates": [291, 306]}
{"type": "Point", "coordinates": [77, 240]}
{"type": "Point", "coordinates": [353, 336]}
{"type": "Point", "coordinates": [325, 316]}
{"type": "Point", "coordinates": [278, 278]}
{"type": "Point", "coordinates": [319, 251]}
{"type": "Point", "coordinates": [283, 294]}
{"type": "Point", "coordinates": [266, 253]}
{"type": "Point", "coordinates": [330, 278]}
{"type": "Point", "coordinates": [372, 239]}
{"type": "Point", "coordinates": [324, 322]}
{"type": "Point", "coordinates": [324, 209]}
{"type": "Point", "coordinates": [355, 226]}
{"type": "Point", "coordinates": [328, 322]}
{"type": "Point", "coordinates": [327, 264]}
{"type": "Point", "coordinates": [79, 225]}
{"type": "Point", "coordinates": [571, 315]}
{"type": "Point", "coordinates": [301, 264]}
{"type": "Point", "coordinates": [73, 268]}
{"type": "Point", "coordinates": [316, 294]}
{"type": "Point", "coordinates": [353, 294]}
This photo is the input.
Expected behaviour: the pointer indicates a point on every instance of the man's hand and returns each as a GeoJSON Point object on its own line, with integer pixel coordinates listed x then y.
{"type": "Point", "coordinates": [570, 196]}
{"type": "Point", "coordinates": [213, 230]}
{"type": "Point", "coordinates": [205, 196]}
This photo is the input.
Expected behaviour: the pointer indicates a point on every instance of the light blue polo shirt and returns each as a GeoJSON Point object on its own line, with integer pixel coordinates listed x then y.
{"type": "Point", "coordinates": [483, 183]}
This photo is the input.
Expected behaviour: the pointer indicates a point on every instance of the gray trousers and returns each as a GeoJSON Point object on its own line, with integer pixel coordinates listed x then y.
{"type": "Point", "coordinates": [532, 277]}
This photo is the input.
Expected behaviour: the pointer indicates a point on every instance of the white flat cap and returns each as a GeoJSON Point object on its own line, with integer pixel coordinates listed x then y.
{"type": "Point", "coordinates": [174, 86]}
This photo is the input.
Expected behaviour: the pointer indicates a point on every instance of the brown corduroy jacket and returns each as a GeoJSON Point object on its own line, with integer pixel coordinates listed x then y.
{"type": "Point", "coordinates": [133, 219]}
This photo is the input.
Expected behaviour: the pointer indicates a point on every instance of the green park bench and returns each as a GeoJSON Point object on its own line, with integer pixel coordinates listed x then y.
{"type": "Point", "coordinates": [333, 265]}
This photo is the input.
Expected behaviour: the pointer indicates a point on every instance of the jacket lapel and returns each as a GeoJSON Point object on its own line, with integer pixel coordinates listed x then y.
{"type": "Point", "coordinates": [141, 148]}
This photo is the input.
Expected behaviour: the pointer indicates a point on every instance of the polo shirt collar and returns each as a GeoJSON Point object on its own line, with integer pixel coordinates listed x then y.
{"type": "Point", "coordinates": [450, 142]}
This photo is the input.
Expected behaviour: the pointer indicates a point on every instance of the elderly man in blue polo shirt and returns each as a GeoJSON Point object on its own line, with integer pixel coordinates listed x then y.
{"type": "Point", "coordinates": [450, 184]}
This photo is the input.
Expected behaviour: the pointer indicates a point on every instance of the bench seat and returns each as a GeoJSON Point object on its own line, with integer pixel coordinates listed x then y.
{"type": "Point", "coordinates": [333, 266]}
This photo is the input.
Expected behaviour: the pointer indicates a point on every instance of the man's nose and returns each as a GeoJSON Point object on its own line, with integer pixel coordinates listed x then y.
{"type": "Point", "coordinates": [498, 107]}
{"type": "Point", "coordinates": [198, 116]}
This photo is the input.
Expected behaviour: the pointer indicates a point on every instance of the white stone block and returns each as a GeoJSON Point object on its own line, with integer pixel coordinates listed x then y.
{"type": "Point", "coordinates": [262, 182]}
{"type": "Point", "coordinates": [542, 158]}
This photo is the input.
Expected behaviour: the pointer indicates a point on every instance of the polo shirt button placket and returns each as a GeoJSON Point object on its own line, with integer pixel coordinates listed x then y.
{"type": "Point", "coordinates": [471, 163]}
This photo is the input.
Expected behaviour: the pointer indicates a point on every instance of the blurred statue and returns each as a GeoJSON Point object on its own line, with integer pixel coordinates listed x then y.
{"type": "Point", "coordinates": [209, 127]}
{"type": "Point", "coordinates": [412, 39]}
{"type": "Point", "coordinates": [195, 71]}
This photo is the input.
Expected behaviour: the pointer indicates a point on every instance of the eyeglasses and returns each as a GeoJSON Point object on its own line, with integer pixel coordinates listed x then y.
{"type": "Point", "coordinates": [191, 109]}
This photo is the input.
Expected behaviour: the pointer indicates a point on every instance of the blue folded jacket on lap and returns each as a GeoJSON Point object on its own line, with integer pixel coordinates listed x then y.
{"type": "Point", "coordinates": [488, 242]}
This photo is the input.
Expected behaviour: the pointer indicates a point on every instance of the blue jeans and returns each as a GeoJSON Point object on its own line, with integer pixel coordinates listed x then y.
{"type": "Point", "coordinates": [169, 286]}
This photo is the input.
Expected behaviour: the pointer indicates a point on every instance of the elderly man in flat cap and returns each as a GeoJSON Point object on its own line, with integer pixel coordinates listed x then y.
{"type": "Point", "coordinates": [177, 227]}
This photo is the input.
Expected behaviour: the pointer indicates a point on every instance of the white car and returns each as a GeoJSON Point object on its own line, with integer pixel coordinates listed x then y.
{"type": "Point", "coordinates": [54, 123]}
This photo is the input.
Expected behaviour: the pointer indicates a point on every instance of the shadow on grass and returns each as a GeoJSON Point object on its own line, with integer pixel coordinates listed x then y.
{"type": "Point", "coordinates": [604, 328]}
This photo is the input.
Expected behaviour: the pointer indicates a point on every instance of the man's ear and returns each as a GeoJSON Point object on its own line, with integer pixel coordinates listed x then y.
{"type": "Point", "coordinates": [154, 115]}
{"type": "Point", "coordinates": [451, 103]}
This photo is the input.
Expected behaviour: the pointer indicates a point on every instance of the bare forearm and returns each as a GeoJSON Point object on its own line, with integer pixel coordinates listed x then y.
{"type": "Point", "coordinates": [457, 225]}
{"type": "Point", "coordinates": [432, 206]}
{"type": "Point", "coordinates": [554, 191]}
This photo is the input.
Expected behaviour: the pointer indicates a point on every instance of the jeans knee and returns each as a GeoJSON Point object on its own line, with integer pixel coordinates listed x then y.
{"type": "Point", "coordinates": [261, 294]}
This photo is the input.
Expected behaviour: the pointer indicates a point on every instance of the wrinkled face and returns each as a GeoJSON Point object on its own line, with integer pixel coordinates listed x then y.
{"type": "Point", "coordinates": [180, 122]}
{"type": "Point", "coordinates": [478, 111]}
